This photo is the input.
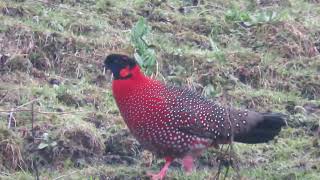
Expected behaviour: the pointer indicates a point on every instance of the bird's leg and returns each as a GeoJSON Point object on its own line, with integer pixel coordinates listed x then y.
{"type": "Point", "coordinates": [163, 171]}
{"type": "Point", "coordinates": [188, 160]}
{"type": "Point", "coordinates": [187, 163]}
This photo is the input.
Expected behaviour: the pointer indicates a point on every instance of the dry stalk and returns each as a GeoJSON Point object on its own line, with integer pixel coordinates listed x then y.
{"type": "Point", "coordinates": [10, 117]}
{"type": "Point", "coordinates": [4, 96]}
{"type": "Point", "coordinates": [228, 157]}
{"type": "Point", "coordinates": [33, 137]}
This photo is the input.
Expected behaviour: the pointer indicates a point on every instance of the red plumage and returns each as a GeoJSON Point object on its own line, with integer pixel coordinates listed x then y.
{"type": "Point", "coordinates": [149, 109]}
{"type": "Point", "coordinates": [175, 122]}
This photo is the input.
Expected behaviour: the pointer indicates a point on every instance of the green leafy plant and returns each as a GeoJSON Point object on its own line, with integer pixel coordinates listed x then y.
{"type": "Point", "coordinates": [265, 17]}
{"type": "Point", "coordinates": [249, 19]}
{"type": "Point", "coordinates": [47, 142]}
{"type": "Point", "coordinates": [237, 15]}
{"type": "Point", "coordinates": [217, 52]}
{"type": "Point", "coordinates": [144, 54]}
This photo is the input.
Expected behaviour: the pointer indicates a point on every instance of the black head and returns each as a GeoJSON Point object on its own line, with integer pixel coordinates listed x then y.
{"type": "Point", "coordinates": [117, 63]}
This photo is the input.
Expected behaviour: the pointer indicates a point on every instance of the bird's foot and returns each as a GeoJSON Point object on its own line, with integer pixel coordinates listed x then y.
{"type": "Point", "coordinates": [162, 173]}
{"type": "Point", "coordinates": [154, 176]}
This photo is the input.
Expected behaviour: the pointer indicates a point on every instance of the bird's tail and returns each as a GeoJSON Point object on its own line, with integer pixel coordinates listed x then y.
{"type": "Point", "coordinates": [258, 127]}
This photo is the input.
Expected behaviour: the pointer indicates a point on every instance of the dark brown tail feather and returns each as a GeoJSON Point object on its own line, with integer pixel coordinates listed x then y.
{"type": "Point", "coordinates": [266, 127]}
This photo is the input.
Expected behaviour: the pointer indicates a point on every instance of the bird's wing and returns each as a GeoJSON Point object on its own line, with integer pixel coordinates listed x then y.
{"type": "Point", "coordinates": [198, 116]}
{"type": "Point", "coordinates": [195, 115]}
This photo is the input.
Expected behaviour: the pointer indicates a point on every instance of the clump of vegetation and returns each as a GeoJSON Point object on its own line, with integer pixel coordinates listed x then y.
{"type": "Point", "coordinates": [251, 19]}
{"type": "Point", "coordinates": [80, 139]}
{"type": "Point", "coordinates": [19, 62]}
{"type": "Point", "coordinates": [122, 143]}
{"type": "Point", "coordinates": [145, 55]}
{"type": "Point", "coordinates": [10, 150]}
{"type": "Point", "coordinates": [103, 5]}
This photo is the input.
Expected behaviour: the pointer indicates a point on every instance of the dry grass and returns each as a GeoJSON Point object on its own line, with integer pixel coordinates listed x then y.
{"type": "Point", "coordinates": [10, 150]}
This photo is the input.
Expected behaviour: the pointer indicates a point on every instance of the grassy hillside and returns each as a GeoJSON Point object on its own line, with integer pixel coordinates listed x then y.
{"type": "Point", "coordinates": [58, 119]}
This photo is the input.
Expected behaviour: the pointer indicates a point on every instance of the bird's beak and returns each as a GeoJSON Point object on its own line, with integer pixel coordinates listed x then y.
{"type": "Point", "coordinates": [104, 70]}
{"type": "Point", "coordinates": [107, 71]}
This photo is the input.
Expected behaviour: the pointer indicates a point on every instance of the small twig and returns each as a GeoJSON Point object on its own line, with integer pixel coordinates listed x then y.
{"type": "Point", "coordinates": [19, 165]}
{"type": "Point", "coordinates": [217, 176]}
{"type": "Point", "coordinates": [64, 175]}
{"type": "Point", "coordinates": [210, 10]}
{"type": "Point", "coordinates": [78, 71]}
{"type": "Point", "coordinates": [226, 173]}
{"type": "Point", "coordinates": [231, 126]}
{"type": "Point", "coordinates": [157, 69]}
{"type": "Point", "coordinates": [33, 137]}
{"type": "Point", "coordinates": [32, 121]}
{"type": "Point", "coordinates": [10, 117]}
{"type": "Point", "coordinates": [228, 154]}
{"type": "Point", "coordinates": [4, 96]}
{"type": "Point", "coordinates": [44, 112]}
{"type": "Point", "coordinates": [27, 103]}
{"type": "Point", "coordinates": [62, 113]}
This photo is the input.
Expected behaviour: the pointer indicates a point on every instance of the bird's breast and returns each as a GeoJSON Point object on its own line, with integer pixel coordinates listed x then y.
{"type": "Point", "coordinates": [141, 105]}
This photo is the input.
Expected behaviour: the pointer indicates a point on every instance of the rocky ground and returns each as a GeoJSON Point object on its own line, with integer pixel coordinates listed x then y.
{"type": "Point", "coordinates": [58, 119]}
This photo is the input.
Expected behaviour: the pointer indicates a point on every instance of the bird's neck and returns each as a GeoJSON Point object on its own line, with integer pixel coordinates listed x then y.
{"type": "Point", "coordinates": [124, 87]}
{"type": "Point", "coordinates": [133, 92]}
